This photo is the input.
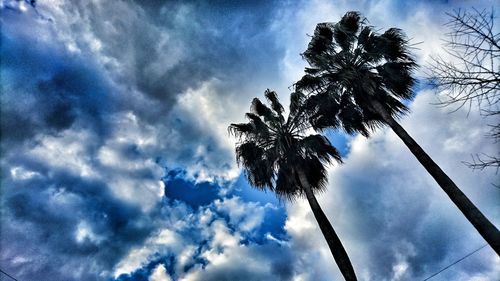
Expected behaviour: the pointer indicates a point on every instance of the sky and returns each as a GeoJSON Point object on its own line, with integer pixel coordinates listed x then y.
{"type": "Point", "coordinates": [116, 163]}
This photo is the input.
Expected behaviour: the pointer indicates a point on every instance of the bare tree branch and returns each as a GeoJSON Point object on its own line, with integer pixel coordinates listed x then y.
{"type": "Point", "coordinates": [472, 77]}
{"type": "Point", "coordinates": [480, 162]}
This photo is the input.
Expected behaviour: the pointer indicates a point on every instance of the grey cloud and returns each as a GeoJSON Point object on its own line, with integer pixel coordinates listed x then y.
{"type": "Point", "coordinates": [153, 54]}
{"type": "Point", "coordinates": [166, 49]}
{"type": "Point", "coordinates": [169, 78]}
{"type": "Point", "coordinates": [47, 91]}
{"type": "Point", "coordinates": [48, 210]}
{"type": "Point", "coordinates": [393, 214]}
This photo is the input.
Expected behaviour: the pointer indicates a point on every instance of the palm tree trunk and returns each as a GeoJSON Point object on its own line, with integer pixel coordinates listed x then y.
{"type": "Point", "coordinates": [487, 230]}
{"type": "Point", "coordinates": [336, 248]}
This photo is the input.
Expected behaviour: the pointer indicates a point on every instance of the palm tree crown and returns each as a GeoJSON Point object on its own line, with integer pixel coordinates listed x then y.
{"type": "Point", "coordinates": [273, 150]}
{"type": "Point", "coordinates": [358, 80]}
{"type": "Point", "coordinates": [351, 67]}
{"type": "Point", "coordinates": [278, 155]}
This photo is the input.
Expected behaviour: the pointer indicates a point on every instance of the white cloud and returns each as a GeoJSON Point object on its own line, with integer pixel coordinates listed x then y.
{"type": "Point", "coordinates": [245, 216]}
{"type": "Point", "coordinates": [229, 260]}
{"type": "Point", "coordinates": [66, 151]}
{"type": "Point", "coordinates": [129, 155]}
{"type": "Point", "coordinates": [205, 114]}
{"type": "Point", "coordinates": [164, 242]}
{"type": "Point", "coordinates": [314, 260]}
{"type": "Point", "coordinates": [205, 234]}
{"type": "Point", "coordinates": [72, 151]}
{"type": "Point", "coordinates": [160, 274]}
{"type": "Point", "coordinates": [84, 232]}
{"type": "Point", "coordinates": [21, 173]}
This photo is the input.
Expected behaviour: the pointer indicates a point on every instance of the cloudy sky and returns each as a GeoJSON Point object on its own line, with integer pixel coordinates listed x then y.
{"type": "Point", "coordinates": [117, 165]}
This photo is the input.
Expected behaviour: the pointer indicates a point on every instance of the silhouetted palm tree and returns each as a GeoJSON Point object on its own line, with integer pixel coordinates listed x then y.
{"type": "Point", "coordinates": [358, 80]}
{"type": "Point", "coordinates": [278, 156]}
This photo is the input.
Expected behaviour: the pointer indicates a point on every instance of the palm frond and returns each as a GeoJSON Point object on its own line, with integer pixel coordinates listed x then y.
{"type": "Point", "coordinates": [319, 146]}
{"type": "Point", "coordinates": [316, 174]}
{"type": "Point", "coordinates": [365, 36]}
{"type": "Point", "coordinates": [345, 30]}
{"type": "Point", "coordinates": [352, 119]}
{"type": "Point", "coordinates": [312, 70]}
{"type": "Point", "coordinates": [252, 157]}
{"type": "Point", "coordinates": [272, 97]}
{"type": "Point", "coordinates": [261, 109]}
{"type": "Point", "coordinates": [397, 78]}
{"type": "Point", "coordinates": [296, 102]}
{"type": "Point", "coordinates": [309, 83]}
{"type": "Point", "coordinates": [322, 110]}
{"type": "Point", "coordinates": [394, 44]}
{"type": "Point", "coordinates": [321, 41]}
{"type": "Point", "coordinates": [287, 185]}
{"type": "Point", "coordinates": [297, 118]}
{"type": "Point", "coordinates": [240, 129]}
{"type": "Point", "coordinates": [392, 105]}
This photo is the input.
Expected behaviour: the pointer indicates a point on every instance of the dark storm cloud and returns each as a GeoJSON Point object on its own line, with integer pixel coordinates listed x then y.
{"type": "Point", "coordinates": [162, 49]}
{"type": "Point", "coordinates": [154, 52]}
{"type": "Point", "coordinates": [74, 119]}
{"type": "Point", "coordinates": [45, 91]}
{"type": "Point", "coordinates": [59, 220]}
{"type": "Point", "coordinates": [99, 99]}
{"type": "Point", "coordinates": [53, 220]}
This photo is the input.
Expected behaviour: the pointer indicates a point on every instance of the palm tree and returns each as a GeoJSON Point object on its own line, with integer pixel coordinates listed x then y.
{"type": "Point", "coordinates": [277, 155]}
{"type": "Point", "coordinates": [358, 80]}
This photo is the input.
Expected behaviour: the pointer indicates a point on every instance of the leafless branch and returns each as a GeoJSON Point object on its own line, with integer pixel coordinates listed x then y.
{"type": "Point", "coordinates": [483, 161]}
{"type": "Point", "coordinates": [472, 75]}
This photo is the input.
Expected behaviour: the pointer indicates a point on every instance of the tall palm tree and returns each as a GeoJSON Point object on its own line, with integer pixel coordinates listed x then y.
{"type": "Point", "coordinates": [277, 155]}
{"type": "Point", "coordinates": [358, 80]}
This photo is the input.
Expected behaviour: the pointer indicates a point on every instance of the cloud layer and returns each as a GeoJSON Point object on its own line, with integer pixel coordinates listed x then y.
{"type": "Point", "coordinates": [116, 163]}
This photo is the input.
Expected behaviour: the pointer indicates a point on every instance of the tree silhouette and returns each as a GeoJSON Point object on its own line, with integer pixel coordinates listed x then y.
{"type": "Point", "coordinates": [358, 80]}
{"type": "Point", "coordinates": [471, 75]}
{"type": "Point", "coordinates": [277, 155]}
